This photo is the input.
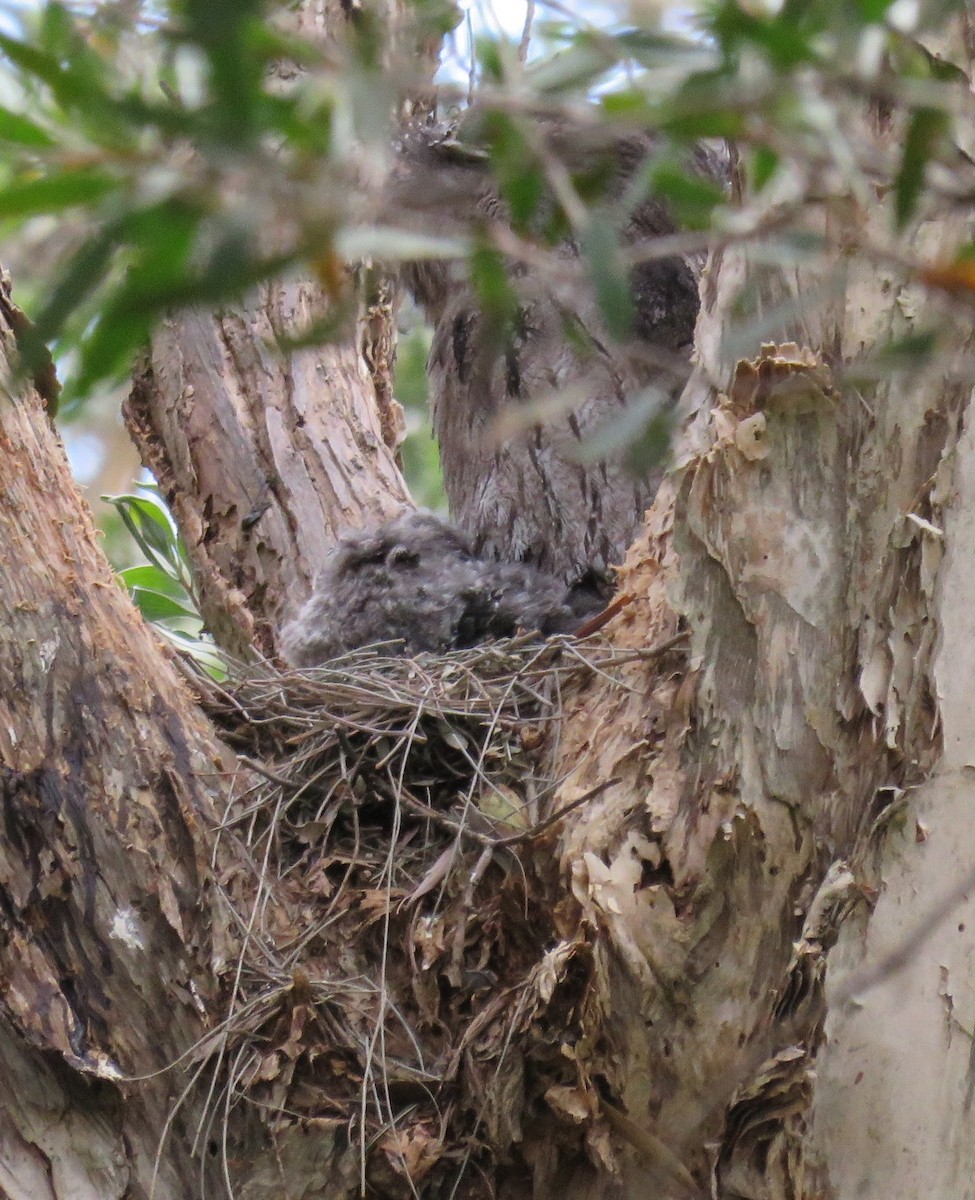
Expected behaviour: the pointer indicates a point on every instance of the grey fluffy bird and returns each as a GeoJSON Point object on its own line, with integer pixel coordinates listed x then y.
{"type": "Point", "coordinates": [417, 582]}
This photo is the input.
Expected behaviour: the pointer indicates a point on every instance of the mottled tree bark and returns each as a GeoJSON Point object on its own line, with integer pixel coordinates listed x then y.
{"type": "Point", "coordinates": [775, 793]}
{"type": "Point", "coordinates": [809, 766]}
{"type": "Point", "coordinates": [264, 455]}
{"type": "Point", "coordinates": [112, 933]}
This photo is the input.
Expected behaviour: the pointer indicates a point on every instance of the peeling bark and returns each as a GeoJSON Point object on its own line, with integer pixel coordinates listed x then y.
{"type": "Point", "coordinates": [669, 1000]}
{"type": "Point", "coordinates": [113, 933]}
{"type": "Point", "coordinates": [760, 815]}
{"type": "Point", "coordinates": [264, 456]}
{"type": "Point", "coordinates": [898, 1056]}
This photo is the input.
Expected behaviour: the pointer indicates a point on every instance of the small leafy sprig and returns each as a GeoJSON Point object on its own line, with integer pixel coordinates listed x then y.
{"type": "Point", "coordinates": [162, 588]}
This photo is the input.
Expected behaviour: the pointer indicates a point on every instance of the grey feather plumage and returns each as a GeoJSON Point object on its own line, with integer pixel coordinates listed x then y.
{"type": "Point", "coordinates": [416, 581]}
{"type": "Point", "coordinates": [538, 527]}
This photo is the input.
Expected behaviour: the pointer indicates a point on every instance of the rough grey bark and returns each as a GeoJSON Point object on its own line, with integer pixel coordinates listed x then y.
{"type": "Point", "coordinates": [113, 934]}
{"type": "Point", "coordinates": [264, 455]}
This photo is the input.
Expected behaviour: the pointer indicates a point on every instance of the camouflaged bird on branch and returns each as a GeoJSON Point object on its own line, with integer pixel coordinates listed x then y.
{"type": "Point", "coordinates": [534, 494]}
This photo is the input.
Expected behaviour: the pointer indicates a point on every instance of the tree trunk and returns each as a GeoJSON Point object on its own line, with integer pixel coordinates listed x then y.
{"type": "Point", "coordinates": [694, 990]}
{"type": "Point", "coordinates": [128, 913]}
{"type": "Point", "coordinates": [264, 455]}
{"type": "Point", "coordinates": [114, 928]}
{"type": "Point", "coordinates": [265, 452]}
{"type": "Point", "coordinates": [782, 788]}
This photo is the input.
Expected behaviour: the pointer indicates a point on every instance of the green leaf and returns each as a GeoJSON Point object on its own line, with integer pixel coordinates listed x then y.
{"type": "Point", "coordinates": [599, 243]}
{"type": "Point", "coordinates": [873, 11]}
{"type": "Point", "coordinates": [924, 133]}
{"type": "Point", "coordinates": [167, 118]}
{"type": "Point", "coordinates": [199, 648]}
{"type": "Point", "coordinates": [652, 447]}
{"type": "Point", "coordinates": [945, 71]}
{"type": "Point", "coordinates": [667, 51]}
{"type": "Point", "coordinates": [764, 164]}
{"type": "Point", "coordinates": [51, 193]}
{"type": "Point", "coordinates": [523, 190]}
{"type": "Point", "coordinates": [228, 34]}
{"type": "Point", "coordinates": [162, 237]}
{"type": "Point", "coordinates": [516, 166]}
{"type": "Point", "coordinates": [785, 39]}
{"type": "Point", "coordinates": [84, 274]}
{"type": "Point", "coordinates": [107, 351]}
{"type": "Point", "coordinates": [489, 278]}
{"type": "Point", "coordinates": [490, 59]}
{"type": "Point", "coordinates": [16, 128]}
{"type": "Point", "coordinates": [626, 104]}
{"type": "Point", "coordinates": [912, 350]}
{"type": "Point", "coordinates": [692, 197]}
{"type": "Point", "coordinates": [34, 62]}
{"type": "Point", "coordinates": [309, 131]}
{"type": "Point", "coordinates": [153, 578]}
{"type": "Point", "coordinates": [152, 527]}
{"type": "Point", "coordinates": [155, 606]}
{"type": "Point", "coordinates": [127, 315]}
{"type": "Point", "coordinates": [908, 354]}
{"type": "Point", "coordinates": [597, 179]}
{"type": "Point", "coordinates": [707, 123]}
{"type": "Point", "coordinates": [78, 79]}
{"type": "Point", "coordinates": [434, 19]}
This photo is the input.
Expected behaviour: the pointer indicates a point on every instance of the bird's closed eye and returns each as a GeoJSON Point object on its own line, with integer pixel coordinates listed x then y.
{"type": "Point", "coordinates": [402, 557]}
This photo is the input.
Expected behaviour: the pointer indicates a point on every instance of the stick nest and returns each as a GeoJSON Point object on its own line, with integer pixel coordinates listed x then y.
{"type": "Point", "coordinates": [401, 972]}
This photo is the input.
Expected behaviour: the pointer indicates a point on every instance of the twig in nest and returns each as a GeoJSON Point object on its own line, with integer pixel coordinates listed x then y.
{"type": "Point", "coordinates": [594, 624]}
{"type": "Point", "coordinates": [531, 834]}
{"type": "Point", "coordinates": [455, 968]}
{"type": "Point", "coordinates": [261, 769]}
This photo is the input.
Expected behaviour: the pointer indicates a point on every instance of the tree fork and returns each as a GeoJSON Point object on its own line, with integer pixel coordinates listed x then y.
{"type": "Point", "coordinates": [264, 455]}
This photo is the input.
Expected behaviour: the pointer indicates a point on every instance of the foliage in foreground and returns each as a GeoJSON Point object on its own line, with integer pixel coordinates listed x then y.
{"type": "Point", "coordinates": [161, 170]}
{"type": "Point", "coordinates": [162, 587]}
